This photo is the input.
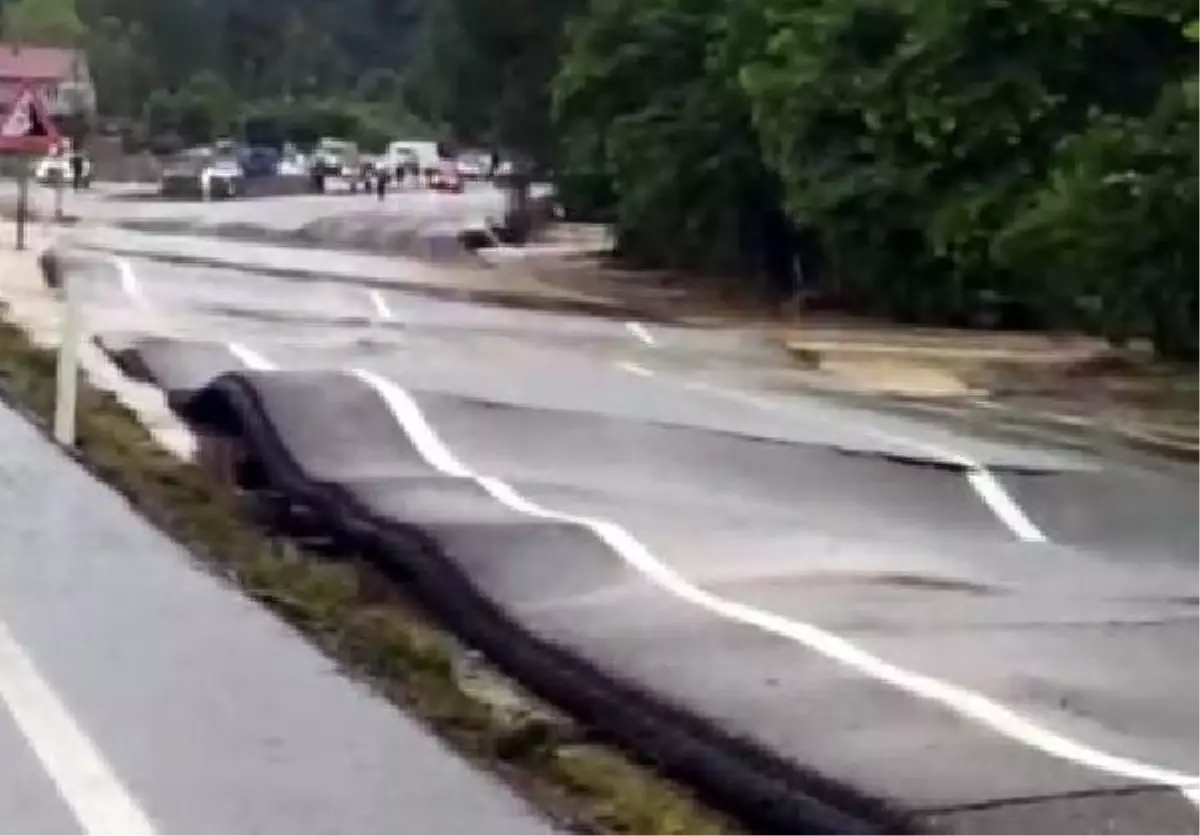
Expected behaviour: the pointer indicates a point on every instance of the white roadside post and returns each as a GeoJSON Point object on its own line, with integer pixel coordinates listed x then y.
{"type": "Point", "coordinates": [67, 388]}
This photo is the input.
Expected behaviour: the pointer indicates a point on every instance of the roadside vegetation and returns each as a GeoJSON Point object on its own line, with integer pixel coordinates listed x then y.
{"type": "Point", "coordinates": [1018, 163]}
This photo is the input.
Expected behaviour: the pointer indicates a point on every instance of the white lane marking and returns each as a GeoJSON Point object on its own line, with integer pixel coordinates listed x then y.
{"type": "Point", "coordinates": [961, 701]}
{"type": "Point", "coordinates": [641, 332]}
{"type": "Point", "coordinates": [1002, 504]}
{"type": "Point", "coordinates": [98, 800]}
{"type": "Point", "coordinates": [380, 304]}
{"type": "Point", "coordinates": [129, 282]}
{"type": "Point", "coordinates": [981, 480]}
{"type": "Point", "coordinates": [634, 368]}
{"type": "Point", "coordinates": [250, 358]}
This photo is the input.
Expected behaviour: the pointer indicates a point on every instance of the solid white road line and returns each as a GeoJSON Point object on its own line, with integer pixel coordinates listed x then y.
{"type": "Point", "coordinates": [963, 702]}
{"type": "Point", "coordinates": [382, 309]}
{"type": "Point", "coordinates": [84, 779]}
{"type": "Point", "coordinates": [129, 282]}
{"type": "Point", "coordinates": [249, 358]}
{"type": "Point", "coordinates": [641, 332]}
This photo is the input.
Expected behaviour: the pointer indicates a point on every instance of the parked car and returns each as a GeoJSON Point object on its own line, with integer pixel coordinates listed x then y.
{"type": "Point", "coordinates": [473, 165]}
{"type": "Point", "coordinates": [336, 158]}
{"type": "Point", "coordinates": [402, 163]}
{"type": "Point", "coordinates": [257, 161]}
{"type": "Point", "coordinates": [193, 172]}
{"type": "Point", "coordinates": [426, 155]}
{"type": "Point", "coordinates": [223, 177]}
{"type": "Point", "coordinates": [446, 178]}
{"type": "Point", "coordinates": [56, 169]}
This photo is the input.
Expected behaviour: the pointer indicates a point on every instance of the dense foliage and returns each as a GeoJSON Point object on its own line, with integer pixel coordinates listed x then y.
{"type": "Point", "coordinates": [1028, 162]}
{"type": "Point", "coordinates": [188, 70]}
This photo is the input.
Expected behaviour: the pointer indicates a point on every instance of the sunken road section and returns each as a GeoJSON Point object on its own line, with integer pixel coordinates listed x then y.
{"type": "Point", "coordinates": [733, 711]}
{"type": "Point", "coordinates": [326, 442]}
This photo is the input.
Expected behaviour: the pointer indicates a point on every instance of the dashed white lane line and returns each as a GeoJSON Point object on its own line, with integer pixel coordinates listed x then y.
{"type": "Point", "coordinates": [85, 781]}
{"type": "Point", "coordinates": [382, 309]}
{"type": "Point", "coordinates": [641, 332]}
{"type": "Point", "coordinates": [249, 358]}
{"type": "Point", "coordinates": [634, 368]}
{"type": "Point", "coordinates": [130, 285]}
{"type": "Point", "coordinates": [1005, 508]}
{"type": "Point", "coordinates": [981, 480]}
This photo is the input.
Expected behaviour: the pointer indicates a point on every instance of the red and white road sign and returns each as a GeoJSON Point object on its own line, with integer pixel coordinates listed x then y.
{"type": "Point", "coordinates": [27, 126]}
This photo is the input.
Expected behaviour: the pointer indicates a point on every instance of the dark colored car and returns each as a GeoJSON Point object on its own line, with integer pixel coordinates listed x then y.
{"type": "Point", "coordinates": [259, 161]}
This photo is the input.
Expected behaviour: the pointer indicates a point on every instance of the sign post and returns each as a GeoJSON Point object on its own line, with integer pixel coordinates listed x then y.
{"type": "Point", "coordinates": [27, 129]}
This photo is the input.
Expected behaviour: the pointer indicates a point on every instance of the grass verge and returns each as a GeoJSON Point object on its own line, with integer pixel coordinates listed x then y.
{"type": "Point", "coordinates": [364, 622]}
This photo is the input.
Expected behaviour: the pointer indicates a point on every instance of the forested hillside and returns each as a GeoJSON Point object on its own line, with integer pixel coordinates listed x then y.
{"type": "Point", "coordinates": [1029, 162]}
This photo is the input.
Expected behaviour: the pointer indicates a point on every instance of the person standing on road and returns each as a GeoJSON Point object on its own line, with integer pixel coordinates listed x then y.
{"type": "Point", "coordinates": [381, 182]}
{"type": "Point", "coordinates": [76, 169]}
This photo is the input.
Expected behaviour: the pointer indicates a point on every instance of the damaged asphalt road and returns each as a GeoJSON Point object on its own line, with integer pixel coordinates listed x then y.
{"type": "Point", "coordinates": [989, 637]}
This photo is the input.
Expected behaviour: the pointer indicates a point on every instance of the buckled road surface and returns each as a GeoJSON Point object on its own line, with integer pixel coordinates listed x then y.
{"type": "Point", "coordinates": [991, 637]}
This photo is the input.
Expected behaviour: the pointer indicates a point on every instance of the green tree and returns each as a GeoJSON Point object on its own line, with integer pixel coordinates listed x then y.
{"type": "Point", "coordinates": [647, 97]}
{"type": "Point", "coordinates": [116, 57]}
{"type": "Point", "coordinates": [43, 22]}
{"type": "Point", "coordinates": [912, 135]}
{"type": "Point", "coordinates": [484, 69]}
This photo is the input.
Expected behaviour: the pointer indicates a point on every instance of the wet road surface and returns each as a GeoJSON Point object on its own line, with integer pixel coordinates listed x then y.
{"type": "Point", "coordinates": [144, 695]}
{"type": "Point", "coordinates": [998, 638]}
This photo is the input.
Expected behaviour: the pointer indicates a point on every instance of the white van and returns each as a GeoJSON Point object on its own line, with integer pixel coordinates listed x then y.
{"type": "Point", "coordinates": [426, 153]}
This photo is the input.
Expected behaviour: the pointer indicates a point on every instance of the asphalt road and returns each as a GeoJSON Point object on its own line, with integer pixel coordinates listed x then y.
{"type": "Point", "coordinates": [997, 638]}
{"type": "Point", "coordinates": [140, 694]}
{"type": "Point", "coordinates": [132, 204]}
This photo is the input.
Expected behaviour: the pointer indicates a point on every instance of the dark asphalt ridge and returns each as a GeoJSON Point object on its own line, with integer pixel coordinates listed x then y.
{"type": "Point", "coordinates": [593, 607]}
{"type": "Point", "coordinates": [760, 788]}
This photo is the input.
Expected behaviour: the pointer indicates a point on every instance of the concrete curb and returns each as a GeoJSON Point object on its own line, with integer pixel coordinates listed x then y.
{"type": "Point", "coordinates": [1125, 433]}
{"type": "Point", "coordinates": [1071, 431]}
{"type": "Point", "coordinates": [815, 351]}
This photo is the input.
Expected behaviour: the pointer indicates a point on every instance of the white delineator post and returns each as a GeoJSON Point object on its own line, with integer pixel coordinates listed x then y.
{"type": "Point", "coordinates": [67, 390]}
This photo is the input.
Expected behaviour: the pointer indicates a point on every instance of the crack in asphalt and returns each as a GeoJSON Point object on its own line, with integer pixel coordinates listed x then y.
{"type": "Point", "coordinates": [1027, 800]}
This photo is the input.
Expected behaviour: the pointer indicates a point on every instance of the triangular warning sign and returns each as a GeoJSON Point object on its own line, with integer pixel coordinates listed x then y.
{"type": "Point", "coordinates": [28, 120]}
